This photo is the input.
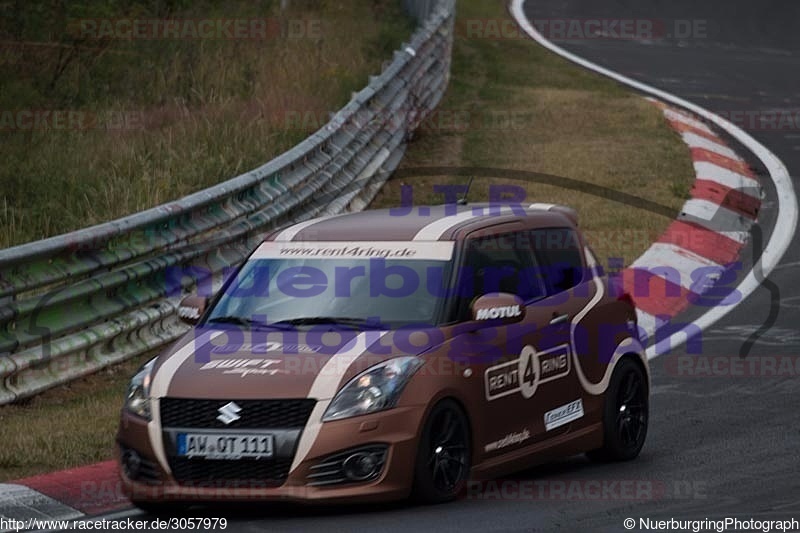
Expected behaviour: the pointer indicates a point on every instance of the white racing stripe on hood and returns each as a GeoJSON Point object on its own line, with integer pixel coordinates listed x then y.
{"type": "Point", "coordinates": [160, 386]}
{"type": "Point", "coordinates": [325, 387]}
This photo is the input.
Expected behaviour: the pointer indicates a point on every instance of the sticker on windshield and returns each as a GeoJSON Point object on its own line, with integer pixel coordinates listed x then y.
{"type": "Point", "coordinates": [417, 250]}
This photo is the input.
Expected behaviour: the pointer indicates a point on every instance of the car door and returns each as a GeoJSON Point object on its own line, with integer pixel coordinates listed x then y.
{"type": "Point", "coordinates": [530, 387]}
{"type": "Point", "coordinates": [550, 375]}
{"type": "Point", "coordinates": [493, 262]}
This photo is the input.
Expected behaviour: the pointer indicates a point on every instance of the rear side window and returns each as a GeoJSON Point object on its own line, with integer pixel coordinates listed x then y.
{"type": "Point", "coordinates": [558, 252]}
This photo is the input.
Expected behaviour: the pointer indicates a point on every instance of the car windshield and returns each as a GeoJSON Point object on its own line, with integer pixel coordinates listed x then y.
{"type": "Point", "coordinates": [363, 286]}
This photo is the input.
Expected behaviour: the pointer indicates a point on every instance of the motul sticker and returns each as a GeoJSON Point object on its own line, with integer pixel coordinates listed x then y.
{"type": "Point", "coordinates": [563, 415]}
{"type": "Point", "coordinates": [493, 313]}
{"type": "Point", "coordinates": [191, 313]}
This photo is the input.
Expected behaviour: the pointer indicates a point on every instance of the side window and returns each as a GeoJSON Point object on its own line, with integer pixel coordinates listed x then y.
{"type": "Point", "coordinates": [558, 252]}
{"type": "Point", "coordinates": [498, 263]}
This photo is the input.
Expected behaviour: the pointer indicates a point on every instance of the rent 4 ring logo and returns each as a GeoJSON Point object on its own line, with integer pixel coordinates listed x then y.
{"type": "Point", "coordinates": [525, 373]}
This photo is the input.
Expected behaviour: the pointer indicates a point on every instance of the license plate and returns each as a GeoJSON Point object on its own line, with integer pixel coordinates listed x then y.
{"type": "Point", "coordinates": [226, 445]}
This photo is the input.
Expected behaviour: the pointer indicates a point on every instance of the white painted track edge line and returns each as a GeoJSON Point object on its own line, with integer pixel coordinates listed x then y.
{"type": "Point", "coordinates": [782, 234]}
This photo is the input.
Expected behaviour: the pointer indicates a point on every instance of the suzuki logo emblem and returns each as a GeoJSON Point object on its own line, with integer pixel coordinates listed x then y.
{"type": "Point", "coordinates": [229, 413]}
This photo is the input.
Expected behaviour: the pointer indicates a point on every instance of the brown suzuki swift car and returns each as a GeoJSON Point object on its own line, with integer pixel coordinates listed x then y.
{"type": "Point", "coordinates": [381, 354]}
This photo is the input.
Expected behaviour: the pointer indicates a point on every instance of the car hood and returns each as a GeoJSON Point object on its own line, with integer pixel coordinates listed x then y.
{"type": "Point", "coordinates": [235, 364]}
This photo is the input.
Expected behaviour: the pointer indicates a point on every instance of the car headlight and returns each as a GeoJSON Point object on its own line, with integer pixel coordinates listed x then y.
{"type": "Point", "coordinates": [137, 400]}
{"type": "Point", "coordinates": [375, 389]}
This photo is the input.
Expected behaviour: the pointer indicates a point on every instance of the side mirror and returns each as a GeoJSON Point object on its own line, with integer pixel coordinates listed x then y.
{"type": "Point", "coordinates": [192, 308]}
{"type": "Point", "coordinates": [498, 309]}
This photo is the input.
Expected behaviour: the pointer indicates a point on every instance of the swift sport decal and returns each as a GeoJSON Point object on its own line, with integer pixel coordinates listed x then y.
{"type": "Point", "coordinates": [525, 373]}
{"type": "Point", "coordinates": [245, 367]}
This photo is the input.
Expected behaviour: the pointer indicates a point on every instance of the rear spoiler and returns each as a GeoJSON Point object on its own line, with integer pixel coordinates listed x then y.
{"type": "Point", "coordinates": [568, 212]}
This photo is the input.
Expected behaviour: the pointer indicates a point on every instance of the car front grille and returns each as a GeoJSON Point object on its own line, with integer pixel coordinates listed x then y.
{"type": "Point", "coordinates": [241, 473]}
{"type": "Point", "coordinates": [287, 417]}
{"type": "Point", "coordinates": [255, 414]}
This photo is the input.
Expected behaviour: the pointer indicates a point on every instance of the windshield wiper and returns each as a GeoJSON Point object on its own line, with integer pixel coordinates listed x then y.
{"type": "Point", "coordinates": [335, 320]}
{"type": "Point", "coordinates": [244, 321]}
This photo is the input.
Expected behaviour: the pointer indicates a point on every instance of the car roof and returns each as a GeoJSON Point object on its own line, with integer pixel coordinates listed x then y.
{"type": "Point", "coordinates": [421, 223]}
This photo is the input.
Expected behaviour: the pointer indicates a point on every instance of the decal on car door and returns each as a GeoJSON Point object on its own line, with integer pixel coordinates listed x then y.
{"type": "Point", "coordinates": [525, 373]}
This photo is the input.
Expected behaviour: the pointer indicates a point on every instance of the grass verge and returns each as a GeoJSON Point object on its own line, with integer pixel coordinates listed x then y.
{"type": "Point", "coordinates": [512, 104]}
{"type": "Point", "coordinates": [94, 126]}
{"type": "Point", "coordinates": [66, 426]}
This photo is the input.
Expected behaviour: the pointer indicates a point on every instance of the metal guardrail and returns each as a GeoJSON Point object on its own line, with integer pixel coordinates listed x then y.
{"type": "Point", "coordinates": [72, 304]}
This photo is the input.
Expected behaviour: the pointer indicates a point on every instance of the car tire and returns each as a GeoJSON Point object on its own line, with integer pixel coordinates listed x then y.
{"type": "Point", "coordinates": [625, 414]}
{"type": "Point", "coordinates": [443, 459]}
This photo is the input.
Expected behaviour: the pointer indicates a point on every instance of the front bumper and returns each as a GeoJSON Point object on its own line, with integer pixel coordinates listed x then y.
{"type": "Point", "coordinates": [396, 428]}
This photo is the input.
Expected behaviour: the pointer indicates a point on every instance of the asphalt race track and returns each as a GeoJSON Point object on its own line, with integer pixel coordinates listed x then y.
{"type": "Point", "coordinates": [718, 446]}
